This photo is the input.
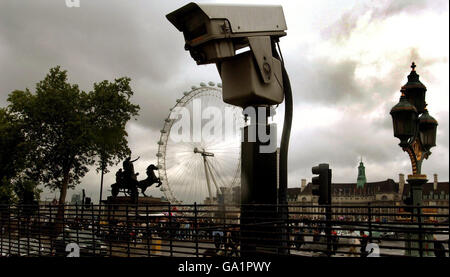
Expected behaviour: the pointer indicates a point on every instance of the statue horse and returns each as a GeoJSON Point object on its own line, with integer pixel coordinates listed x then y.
{"type": "Point", "coordinates": [150, 180]}
{"type": "Point", "coordinates": [144, 184]}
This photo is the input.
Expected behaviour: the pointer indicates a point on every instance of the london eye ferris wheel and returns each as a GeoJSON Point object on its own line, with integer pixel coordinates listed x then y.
{"type": "Point", "coordinates": [198, 169]}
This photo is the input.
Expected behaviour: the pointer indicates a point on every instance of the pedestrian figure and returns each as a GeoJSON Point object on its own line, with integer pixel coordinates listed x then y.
{"type": "Point", "coordinates": [439, 249]}
{"type": "Point", "coordinates": [363, 241]}
{"type": "Point", "coordinates": [316, 235]}
{"type": "Point", "coordinates": [217, 241]}
{"type": "Point", "coordinates": [234, 242]}
{"type": "Point", "coordinates": [334, 241]}
{"type": "Point", "coordinates": [354, 241]}
{"type": "Point", "coordinates": [299, 239]}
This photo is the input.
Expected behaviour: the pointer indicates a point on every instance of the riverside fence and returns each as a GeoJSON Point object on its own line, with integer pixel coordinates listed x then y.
{"type": "Point", "coordinates": [136, 230]}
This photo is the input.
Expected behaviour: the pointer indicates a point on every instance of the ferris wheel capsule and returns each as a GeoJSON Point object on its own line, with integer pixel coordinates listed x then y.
{"type": "Point", "coordinates": [193, 87]}
{"type": "Point", "coordinates": [202, 84]}
{"type": "Point", "coordinates": [185, 93]}
{"type": "Point", "coordinates": [219, 85]}
{"type": "Point", "coordinates": [211, 83]}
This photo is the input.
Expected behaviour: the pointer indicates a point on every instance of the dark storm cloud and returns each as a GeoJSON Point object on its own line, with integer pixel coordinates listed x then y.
{"type": "Point", "coordinates": [100, 40]}
{"type": "Point", "coordinates": [380, 10]}
{"type": "Point", "coordinates": [358, 133]}
{"type": "Point", "coordinates": [321, 81]}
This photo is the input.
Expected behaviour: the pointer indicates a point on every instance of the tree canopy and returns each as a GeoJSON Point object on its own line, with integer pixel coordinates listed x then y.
{"type": "Point", "coordinates": [112, 110]}
{"type": "Point", "coordinates": [68, 130]}
{"type": "Point", "coordinates": [13, 149]}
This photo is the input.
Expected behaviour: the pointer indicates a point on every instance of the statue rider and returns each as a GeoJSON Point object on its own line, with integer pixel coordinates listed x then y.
{"type": "Point", "coordinates": [128, 168]}
{"type": "Point", "coordinates": [119, 176]}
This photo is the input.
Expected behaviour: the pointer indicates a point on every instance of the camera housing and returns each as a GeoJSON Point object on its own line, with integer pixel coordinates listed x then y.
{"type": "Point", "coordinates": [213, 33]}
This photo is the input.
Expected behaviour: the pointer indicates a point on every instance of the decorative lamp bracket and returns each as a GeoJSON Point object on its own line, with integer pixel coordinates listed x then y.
{"type": "Point", "coordinates": [417, 154]}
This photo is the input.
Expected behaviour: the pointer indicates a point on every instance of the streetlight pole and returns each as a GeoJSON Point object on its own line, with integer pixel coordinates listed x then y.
{"type": "Point", "coordinates": [416, 130]}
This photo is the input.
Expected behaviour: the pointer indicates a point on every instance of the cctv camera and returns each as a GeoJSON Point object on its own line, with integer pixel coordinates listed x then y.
{"type": "Point", "coordinates": [214, 32]}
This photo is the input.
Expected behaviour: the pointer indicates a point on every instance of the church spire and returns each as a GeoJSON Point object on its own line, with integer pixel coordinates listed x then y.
{"type": "Point", "coordinates": [361, 181]}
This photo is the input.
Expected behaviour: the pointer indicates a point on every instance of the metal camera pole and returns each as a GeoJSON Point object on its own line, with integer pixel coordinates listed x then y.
{"type": "Point", "coordinates": [258, 192]}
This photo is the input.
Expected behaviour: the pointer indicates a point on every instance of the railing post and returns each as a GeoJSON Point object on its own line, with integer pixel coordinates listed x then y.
{"type": "Point", "coordinates": [39, 229]}
{"type": "Point", "coordinates": [18, 229]}
{"type": "Point", "coordinates": [9, 228]}
{"type": "Point", "coordinates": [99, 217]}
{"type": "Point", "coordinates": [170, 230]}
{"type": "Point", "coordinates": [369, 219]}
{"type": "Point", "coordinates": [2, 226]}
{"type": "Point", "coordinates": [128, 232]}
{"type": "Point", "coordinates": [109, 206]}
{"type": "Point", "coordinates": [196, 229]}
{"type": "Point", "coordinates": [147, 230]}
{"type": "Point", "coordinates": [419, 222]}
{"type": "Point", "coordinates": [328, 217]}
{"type": "Point", "coordinates": [136, 228]}
{"type": "Point", "coordinates": [27, 233]}
{"type": "Point", "coordinates": [224, 239]}
{"type": "Point", "coordinates": [288, 229]}
{"type": "Point", "coordinates": [92, 227]}
{"type": "Point", "coordinates": [51, 226]}
{"type": "Point", "coordinates": [78, 224]}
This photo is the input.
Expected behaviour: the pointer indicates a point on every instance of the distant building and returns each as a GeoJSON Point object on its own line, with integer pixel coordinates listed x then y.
{"type": "Point", "coordinates": [230, 196]}
{"type": "Point", "coordinates": [361, 180]}
{"type": "Point", "coordinates": [76, 199]}
{"type": "Point", "coordinates": [363, 193]}
{"type": "Point", "coordinates": [434, 194]}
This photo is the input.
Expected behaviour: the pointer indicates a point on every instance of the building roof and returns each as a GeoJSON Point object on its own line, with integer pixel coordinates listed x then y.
{"type": "Point", "coordinates": [387, 186]}
{"type": "Point", "coordinates": [429, 187]}
{"type": "Point", "coordinates": [293, 192]}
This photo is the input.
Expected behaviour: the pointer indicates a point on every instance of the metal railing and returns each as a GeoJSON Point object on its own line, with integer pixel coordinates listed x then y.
{"type": "Point", "coordinates": [137, 230]}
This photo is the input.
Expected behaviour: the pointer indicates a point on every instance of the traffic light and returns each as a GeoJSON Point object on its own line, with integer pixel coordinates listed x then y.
{"type": "Point", "coordinates": [321, 185]}
{"type": "Point", "coordinates": [408, 201]}
{"type": "Point", "coordinates": [88, 202]}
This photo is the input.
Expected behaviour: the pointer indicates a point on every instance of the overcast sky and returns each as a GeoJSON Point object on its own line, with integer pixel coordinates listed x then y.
{"type": "Point", "coordinates": [347, 61]}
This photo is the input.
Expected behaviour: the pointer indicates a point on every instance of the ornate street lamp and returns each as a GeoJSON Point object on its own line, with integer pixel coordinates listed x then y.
{"type": "Point", "coordinates": [412, 124]}
{"type": "Point", "coordinates": [416, 130]}
{"type": "Point", "coordinates": [404, 117]}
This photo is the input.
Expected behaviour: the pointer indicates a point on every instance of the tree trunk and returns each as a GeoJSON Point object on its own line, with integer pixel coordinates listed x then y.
{"type": "Point", "coordinates": [59, 224]}
{"type": "Point", "coordinates": [101, 187]}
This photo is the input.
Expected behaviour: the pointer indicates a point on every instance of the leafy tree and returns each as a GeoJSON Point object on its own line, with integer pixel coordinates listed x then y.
{"type": "Point", "coordinates": [65, 126]}
{"type": "Point", "coordinates": [112, 110]}
{"type": "Point", "coordinates": [13, 150]}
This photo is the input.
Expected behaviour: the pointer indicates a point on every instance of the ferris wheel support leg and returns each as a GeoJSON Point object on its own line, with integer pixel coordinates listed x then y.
{"type": "Point", "coordinates": [259, 177]}
{"type": "Point", "coordinates": [208, 182]}
{"type": "Point", "coordinates": [208, 164]}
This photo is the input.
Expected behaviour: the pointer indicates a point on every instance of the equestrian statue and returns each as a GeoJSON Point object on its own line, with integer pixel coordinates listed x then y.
{"type": "Point", "coordinates": [127, 182]}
